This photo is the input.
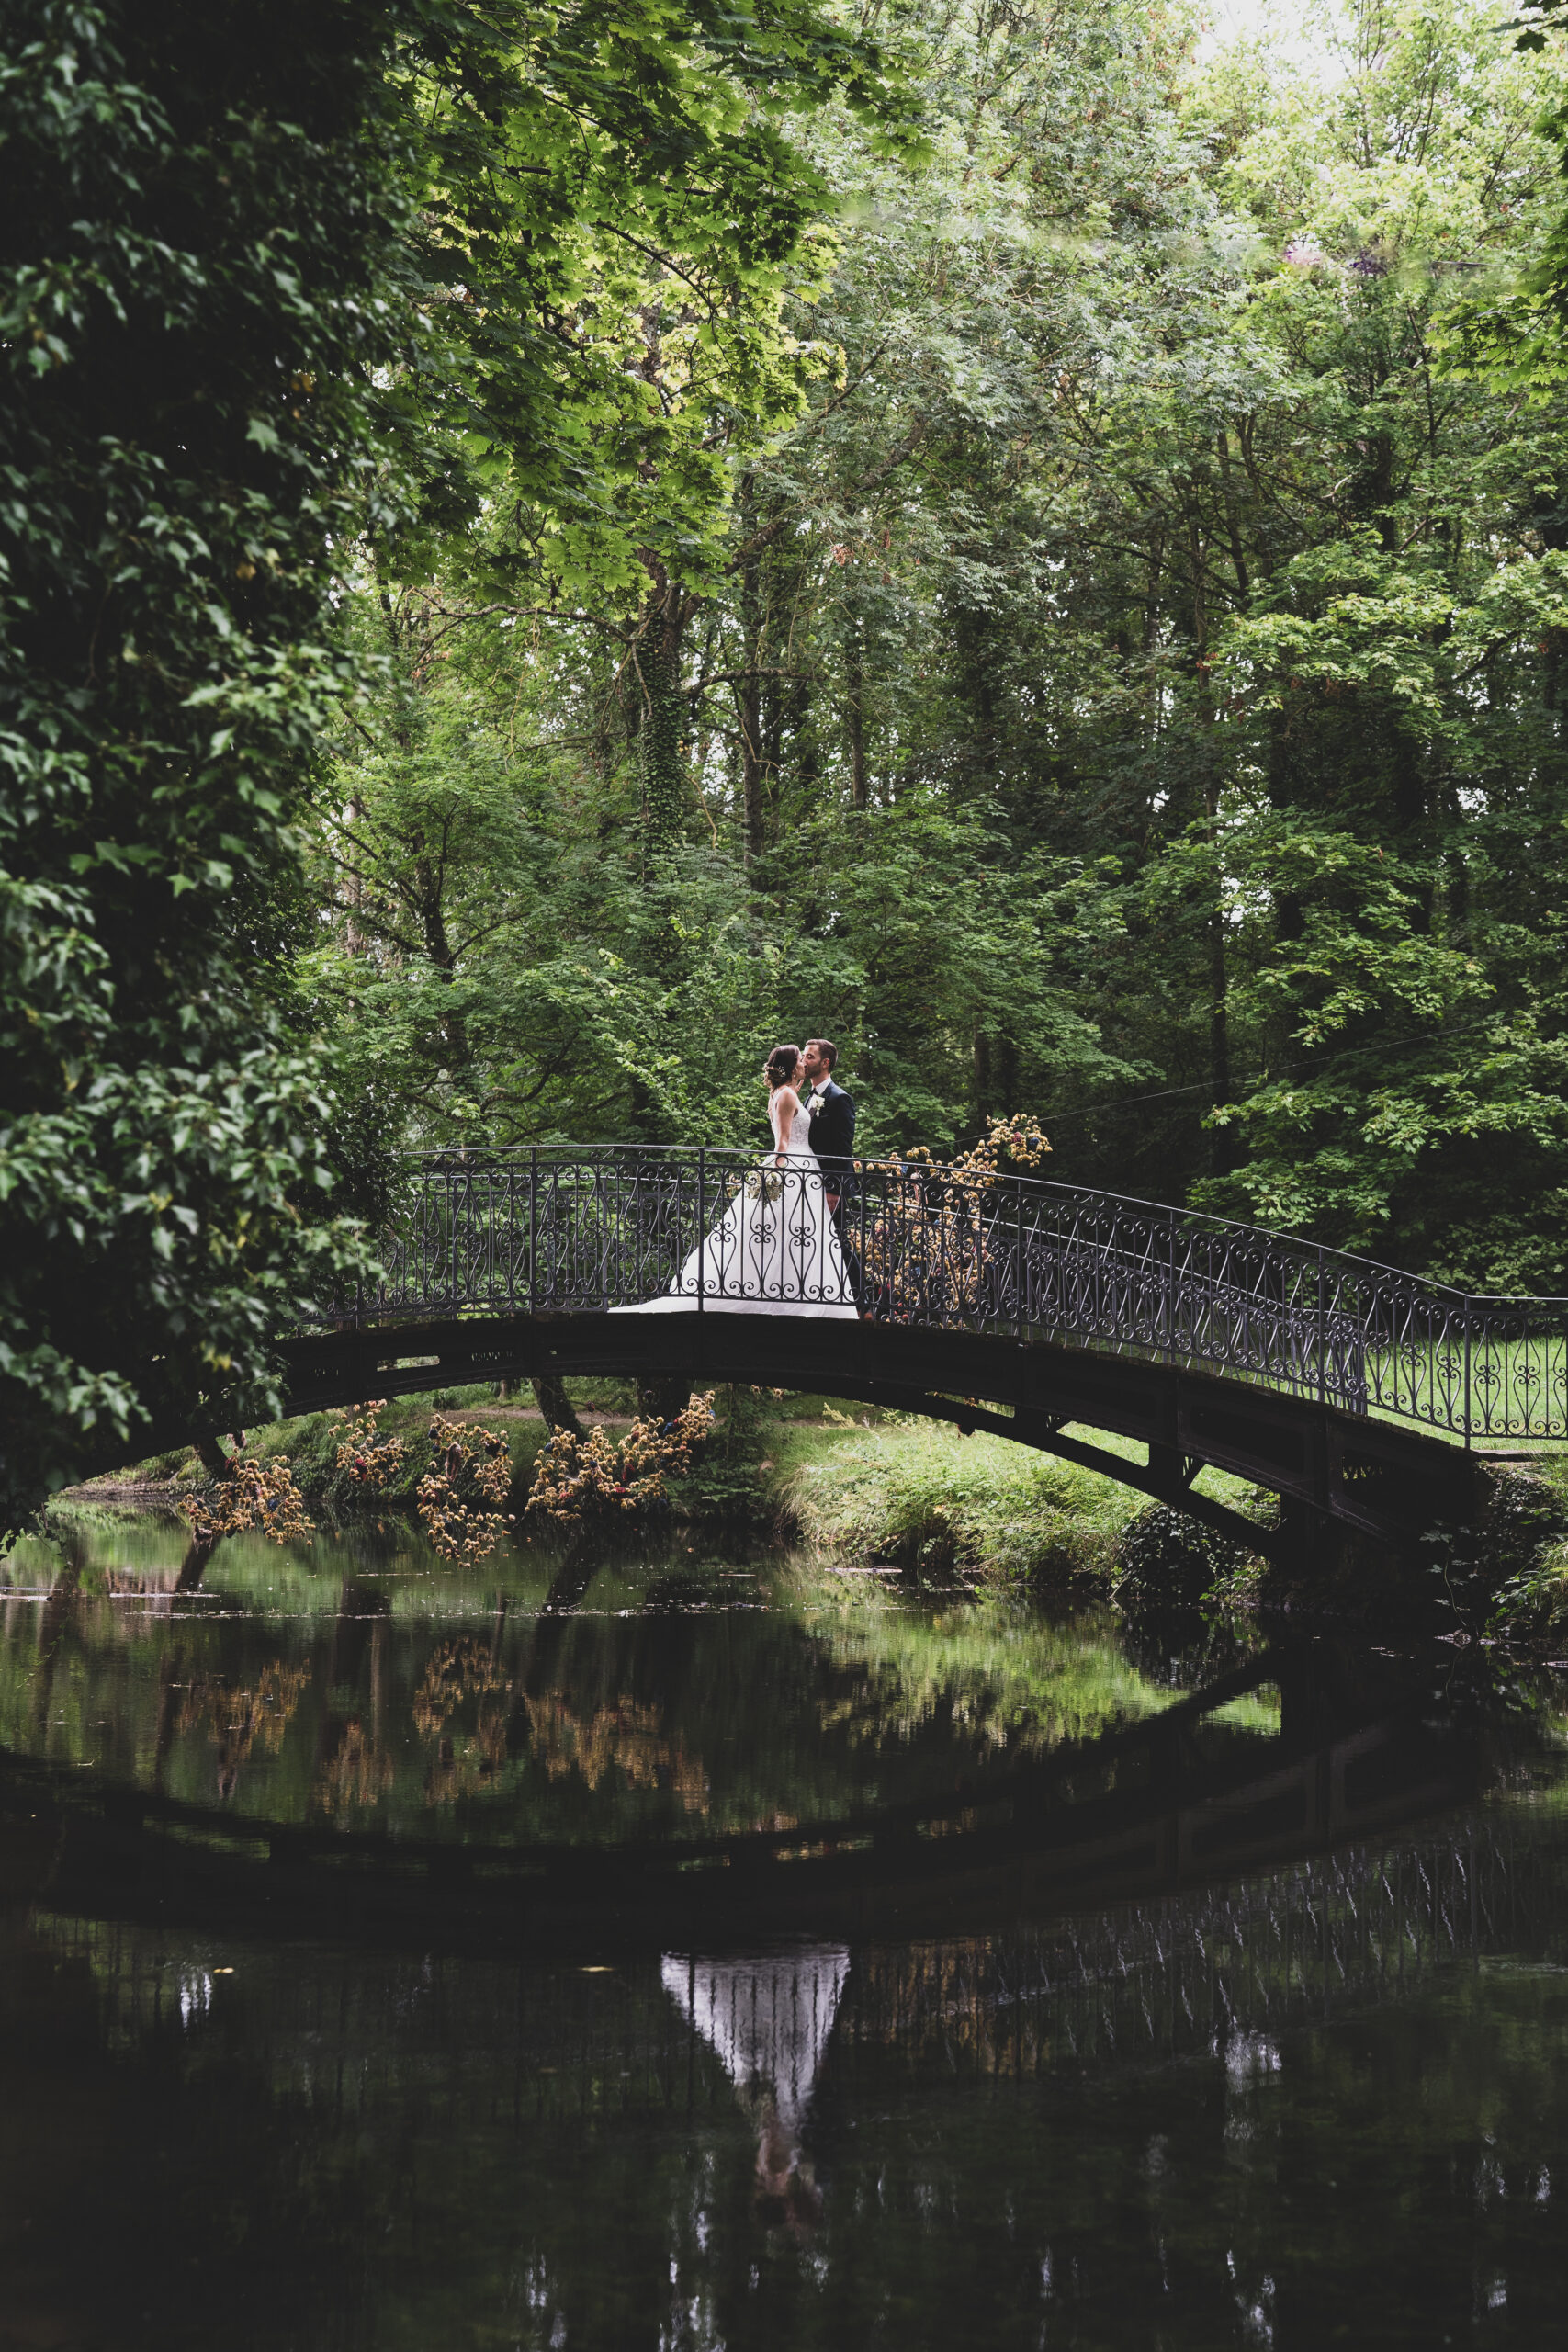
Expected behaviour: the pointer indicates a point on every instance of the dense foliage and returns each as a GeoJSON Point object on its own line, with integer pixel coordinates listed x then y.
{"type": "Point", "coordinates": [198, 205]}
{"type": "Point", "coordinates": [1128, 688]}
{"type": "Point", "coordinates": [277, 282]}
{"type": "Point", "coordinates": [548, 548]}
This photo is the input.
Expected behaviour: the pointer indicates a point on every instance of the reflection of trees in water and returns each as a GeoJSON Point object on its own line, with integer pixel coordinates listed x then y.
{"type": "Point", "coordinates": [465, 1763]}
{"type": "Point", "coordinates": [457, 1671]}
{"type": "Point", "coordinates": [626, 1735]}
{"type": "Point", "coordinates": [238, 1715]}
{"type": "Point", "coordinates": [1001, 1679]}
{"type": "Point", "coordinates": [357, 1773]}
{"type": "Point", "coordinates": [454, 1671]}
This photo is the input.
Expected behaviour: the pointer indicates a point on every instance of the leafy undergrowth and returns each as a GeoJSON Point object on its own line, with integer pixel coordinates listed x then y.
{"type": "Point", "coordinates": [1533, 1606]}
{"type": "Point", "coordinates": [1167, 1558]}
{"type": "Point", "coordinates": [849, 1480]}
{"type": "Point", "coordinates": [1521, 1560]}
{"type": "Point", "coordinates": [919, 1494]}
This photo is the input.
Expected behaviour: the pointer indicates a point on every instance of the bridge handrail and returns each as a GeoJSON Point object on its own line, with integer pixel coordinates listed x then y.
{"type": "Point", "coordinates": [472, 1158]}
{"type": "Point", "coordinates": [590, 1228]}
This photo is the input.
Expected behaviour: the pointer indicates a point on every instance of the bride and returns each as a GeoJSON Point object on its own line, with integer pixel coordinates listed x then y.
{"type": "Point", "coordinates": [774, 1250]}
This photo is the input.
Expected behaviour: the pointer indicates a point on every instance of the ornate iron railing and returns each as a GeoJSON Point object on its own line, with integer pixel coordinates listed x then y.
{"type": "Point", "coordinates": [598, 1229]}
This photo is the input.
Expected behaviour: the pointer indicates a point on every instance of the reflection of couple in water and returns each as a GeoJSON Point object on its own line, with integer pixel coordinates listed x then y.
{"type": "Point", "coordinates": [768, 2019]}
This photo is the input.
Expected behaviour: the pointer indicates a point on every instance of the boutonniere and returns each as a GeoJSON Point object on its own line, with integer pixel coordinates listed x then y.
{"type": "Point", "coordinates": [818, 1096]}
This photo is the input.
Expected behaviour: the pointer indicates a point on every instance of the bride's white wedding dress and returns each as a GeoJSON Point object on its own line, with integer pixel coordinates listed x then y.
{"type": "Point", "coordinates": [774, 1250]}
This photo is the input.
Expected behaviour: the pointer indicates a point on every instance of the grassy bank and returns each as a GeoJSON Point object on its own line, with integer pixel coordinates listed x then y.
{"type": "Point", "coordinates": [918, 1493]}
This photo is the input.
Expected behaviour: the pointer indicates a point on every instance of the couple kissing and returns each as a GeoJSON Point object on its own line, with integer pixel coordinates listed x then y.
{"type": "Point", "coordinates": [781, 1247]}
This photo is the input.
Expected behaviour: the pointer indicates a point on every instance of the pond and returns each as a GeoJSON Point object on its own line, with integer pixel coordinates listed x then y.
{"type": "Point", "coordinates": [673, 1947]}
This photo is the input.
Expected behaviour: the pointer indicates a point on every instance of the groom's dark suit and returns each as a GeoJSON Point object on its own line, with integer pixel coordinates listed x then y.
{"type": "Point", "coordinates": [832, 1134]}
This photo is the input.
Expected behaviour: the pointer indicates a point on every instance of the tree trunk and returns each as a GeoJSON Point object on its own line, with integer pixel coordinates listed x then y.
{"type": "Point", "coordinates": [1223, 1150]}
{"type": "Point", "coordinates": [751, 694]}
{"type": "Point", "coordinates": [430, 874]}
{"type": "Point", "coordinates": [854, 681]}
{"type": "Point", "coordinates": [981, 1074]}
{"type": "Point", "coordinates": [659, 733]}
{"type": "Point", "coordinates": [549, 1392]}
{"type": "Point", "coordinates": [1222, 1147]}
{"type": "Point", "coordinates": [197, 1552]}
{"type": "Point", "coordinates": [805, 763]}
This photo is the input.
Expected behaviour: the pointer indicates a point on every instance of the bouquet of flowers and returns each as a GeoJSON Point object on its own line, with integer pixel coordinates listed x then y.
{"type": "Point", "coordinates": [764, 1184]}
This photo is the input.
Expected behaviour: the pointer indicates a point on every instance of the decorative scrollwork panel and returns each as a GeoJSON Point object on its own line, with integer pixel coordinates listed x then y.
{"type": "Point", "coordinates": [561, 1230]}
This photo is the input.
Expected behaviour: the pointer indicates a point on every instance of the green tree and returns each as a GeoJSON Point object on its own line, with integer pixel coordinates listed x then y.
{"type": "Point", "coordinates": [1099, 574]}
{"type": "Point", "coordinates": [199, 205]}
{"type": "Point", "coordinates": [280, 281]}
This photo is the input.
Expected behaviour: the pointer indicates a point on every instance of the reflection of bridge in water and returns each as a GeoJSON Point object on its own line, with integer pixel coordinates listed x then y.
{"type": "Point", "coordinates": [1218, 1971]}
{"type": "Point", "coordinates": [1227, 1968]}
{"type": "Point", "coordinates": [1185, 1884]}
{"type": "Point", "coordinates": [1150, 1808]}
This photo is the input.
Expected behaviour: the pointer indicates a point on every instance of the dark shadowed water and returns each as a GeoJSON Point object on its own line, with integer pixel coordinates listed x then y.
{"type": "Point", "coordinates": [683, 1951]}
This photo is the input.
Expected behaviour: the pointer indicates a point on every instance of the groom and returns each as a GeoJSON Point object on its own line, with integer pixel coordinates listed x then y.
{"type": "Point", "coordinates": [832, 1115]}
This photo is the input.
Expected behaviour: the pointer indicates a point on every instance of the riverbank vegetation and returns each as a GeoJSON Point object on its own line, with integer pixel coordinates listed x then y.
{"type": "Point", "coordinates": [1027, 538]}
{"type": "Point", "coordinates": [866, 1492]}
{"type": "Point", "coordinates": [861, 1488]}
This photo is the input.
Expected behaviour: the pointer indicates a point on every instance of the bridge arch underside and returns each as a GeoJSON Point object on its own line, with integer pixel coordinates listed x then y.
{"type": "Point", "coordinates": [1329, 1467]}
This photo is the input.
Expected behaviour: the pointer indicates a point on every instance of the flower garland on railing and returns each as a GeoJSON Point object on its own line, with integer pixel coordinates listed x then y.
{"type": "Point", "coordinates": [928, 1241]}
{"type": "Point", "coordinates": [579, 1475]}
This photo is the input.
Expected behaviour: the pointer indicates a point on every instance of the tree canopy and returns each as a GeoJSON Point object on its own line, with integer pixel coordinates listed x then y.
{"type": "Point", "coordinates": [287, 287]}
{"type": "Point", "coordinates": [551, 547]}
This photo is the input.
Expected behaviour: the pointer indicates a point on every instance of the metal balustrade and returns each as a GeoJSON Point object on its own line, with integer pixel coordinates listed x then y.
{"type": "Point", "coordinates": [590, 1230]}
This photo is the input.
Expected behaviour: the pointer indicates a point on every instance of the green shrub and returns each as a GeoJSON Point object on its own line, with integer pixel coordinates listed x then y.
{"type": "Point", "coordinates": [917, 1493]}
{"type": "Point", "coordinates": [1165, 1559]}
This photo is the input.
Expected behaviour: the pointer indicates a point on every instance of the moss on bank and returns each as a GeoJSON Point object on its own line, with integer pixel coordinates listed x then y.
{"type": "Point", "coordinates": [919, 1495]}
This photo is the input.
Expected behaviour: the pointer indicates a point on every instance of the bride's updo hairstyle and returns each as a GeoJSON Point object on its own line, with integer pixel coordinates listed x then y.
{"type": "Point", "coordinates": [780, 1067]}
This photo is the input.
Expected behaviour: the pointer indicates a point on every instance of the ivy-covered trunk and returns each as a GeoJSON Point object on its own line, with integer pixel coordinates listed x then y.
{"type": "Point", "coordinates": [662, 718]}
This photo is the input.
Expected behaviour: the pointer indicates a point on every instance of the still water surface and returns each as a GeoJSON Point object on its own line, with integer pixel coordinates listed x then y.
{"type": "Point", "coordinates": [685, 1950]}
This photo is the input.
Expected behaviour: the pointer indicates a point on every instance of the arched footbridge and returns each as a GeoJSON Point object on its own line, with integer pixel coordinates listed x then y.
{"type": "Point", "coordinates": [1358, 1394]}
